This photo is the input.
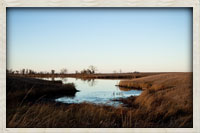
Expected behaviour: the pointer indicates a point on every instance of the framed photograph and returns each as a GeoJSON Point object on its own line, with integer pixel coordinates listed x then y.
{"type": "Point", "coordinates": [100, 66]}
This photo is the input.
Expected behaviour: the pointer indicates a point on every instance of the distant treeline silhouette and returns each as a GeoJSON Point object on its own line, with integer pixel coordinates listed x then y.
{"type": "Point", "coordinates": [90, 70]}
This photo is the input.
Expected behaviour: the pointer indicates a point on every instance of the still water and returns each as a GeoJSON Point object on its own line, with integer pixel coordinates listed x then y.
{"type": "Point", "coordinates": [98, 91]}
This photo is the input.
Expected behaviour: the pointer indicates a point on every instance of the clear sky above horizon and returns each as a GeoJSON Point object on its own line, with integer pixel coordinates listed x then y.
{"type": "Point", "coordinates": [130, 39]}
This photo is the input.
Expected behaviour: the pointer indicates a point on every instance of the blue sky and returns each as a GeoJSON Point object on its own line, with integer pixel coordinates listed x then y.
{"type": "Point", "coordinates": [130, 39]}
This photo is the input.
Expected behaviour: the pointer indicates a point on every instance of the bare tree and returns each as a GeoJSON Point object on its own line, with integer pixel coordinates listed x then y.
{"type": "Point", "coordinates": [89, 71]}
{"type": "Point", "coordinates": [52, 71]}
{"type": "Point", "coordinates": [63, 71]}
{"type": "Point", "coordinates": [31, 71]}
{"type": "Point", "coordinates": [23, 71]}
{"type": "Point", "coordinates": [84, 71]}
{"type": "Point", "coordinates": [76, 72]}
{"type": "Point", "coordinates": [17, 72]}
{"type": "Point", "coordinates": [92, 68]}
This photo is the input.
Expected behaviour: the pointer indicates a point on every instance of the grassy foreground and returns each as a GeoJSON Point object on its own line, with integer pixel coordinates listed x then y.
{"type": "Point", "coordinates": [165, 102]}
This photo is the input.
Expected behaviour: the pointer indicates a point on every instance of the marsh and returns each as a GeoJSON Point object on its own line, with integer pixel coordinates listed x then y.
{"type": "Point", "coordinates": [98, 91]}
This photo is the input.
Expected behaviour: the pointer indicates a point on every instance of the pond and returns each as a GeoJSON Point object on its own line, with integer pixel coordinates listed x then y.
{"type": "Point", "coordinates": [97, 91]}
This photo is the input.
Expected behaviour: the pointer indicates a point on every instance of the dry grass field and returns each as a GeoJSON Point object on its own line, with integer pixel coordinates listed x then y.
{"type": "Point", "coordinates": [165, 102]}
{"type": "Point", "coordinates": [165, 97]}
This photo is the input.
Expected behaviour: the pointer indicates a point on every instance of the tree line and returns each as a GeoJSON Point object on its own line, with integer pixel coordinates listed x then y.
{"type": "Point", "coordinates": [90, 70]}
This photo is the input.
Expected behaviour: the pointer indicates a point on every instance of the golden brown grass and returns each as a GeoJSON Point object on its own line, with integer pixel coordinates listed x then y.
{"type": "Point", "coordinates": [165, 96]}
{"type": "Point", "coordinates": [165, 102]}
{"type": "Point", "coordinates": [157, 81]}
{"type": "Point", "coordinates": [23, 88]}
{"type": "Point", "coordinates": [48, 115]}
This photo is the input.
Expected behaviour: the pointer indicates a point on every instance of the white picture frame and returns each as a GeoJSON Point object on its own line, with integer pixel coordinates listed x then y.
{"type": "Point", "coordinates": [103, 3]}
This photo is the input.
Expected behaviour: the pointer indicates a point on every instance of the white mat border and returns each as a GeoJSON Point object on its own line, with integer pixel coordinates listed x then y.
{"type": "Point", "coordinates": [103, 3]}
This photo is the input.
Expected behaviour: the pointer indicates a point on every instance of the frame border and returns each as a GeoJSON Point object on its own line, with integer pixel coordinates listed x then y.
{"type": "Point", "coordinates": [195, 4]}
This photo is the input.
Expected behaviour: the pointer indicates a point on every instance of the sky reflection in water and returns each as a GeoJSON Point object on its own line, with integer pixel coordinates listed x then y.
{"type": "Point", "coordinates": [98, 91]}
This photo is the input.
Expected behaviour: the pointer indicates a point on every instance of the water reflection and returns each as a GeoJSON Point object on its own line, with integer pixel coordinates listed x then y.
{"type": "Point", "coordinates": [98, 91]}
{"type": "Point", "coordinates": [91, 82]}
